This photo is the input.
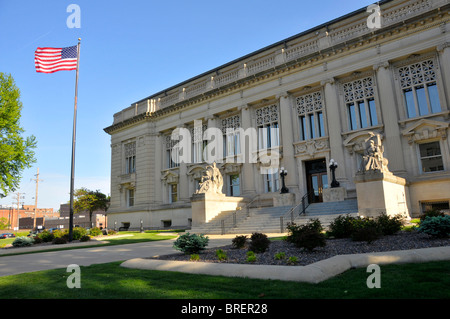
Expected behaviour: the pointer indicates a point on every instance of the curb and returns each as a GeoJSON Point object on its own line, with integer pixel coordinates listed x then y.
{"type": "Point", "coordinates": [314, 273]}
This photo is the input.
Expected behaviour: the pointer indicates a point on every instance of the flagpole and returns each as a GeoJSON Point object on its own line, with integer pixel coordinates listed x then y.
{"type": "Point", "coordinates": [72, 173]}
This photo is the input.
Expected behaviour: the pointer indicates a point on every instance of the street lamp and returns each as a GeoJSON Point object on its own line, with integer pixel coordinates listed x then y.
{"type": "Point", "coordinates": [283, 174]}
{"type": "Point", "coordinates": [333, 165]}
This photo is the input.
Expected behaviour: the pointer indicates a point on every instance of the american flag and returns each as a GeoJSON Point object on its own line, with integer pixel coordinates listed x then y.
{"type": "Point", "coordinates": [49, 60]}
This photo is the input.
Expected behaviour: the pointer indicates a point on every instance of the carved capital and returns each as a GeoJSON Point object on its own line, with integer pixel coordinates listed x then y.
{"type": "Point", "coordinates": [381, 65]}
{"type": "Point", "coordinates": [327, 81]}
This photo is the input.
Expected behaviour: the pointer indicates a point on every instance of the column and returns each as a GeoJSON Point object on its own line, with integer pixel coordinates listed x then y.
{"type": "Point", "coordinates": [392, 143]}
{"type": "Point", "coordinates": [287, 140]}
{"type": "Point", "coordinates": [335, 129]}
{"type": "Point", "coordinates": [444, 56]}
{"type": "Point", "coordinates": [247, 174]}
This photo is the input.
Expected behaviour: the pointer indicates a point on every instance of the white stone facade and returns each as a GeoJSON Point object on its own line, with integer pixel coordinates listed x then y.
{"type": "Point", "coordinates": [324, 92]}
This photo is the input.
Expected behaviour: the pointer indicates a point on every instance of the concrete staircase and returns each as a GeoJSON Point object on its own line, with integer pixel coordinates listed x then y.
{"type": "Point", "coordinates": [267, 219]}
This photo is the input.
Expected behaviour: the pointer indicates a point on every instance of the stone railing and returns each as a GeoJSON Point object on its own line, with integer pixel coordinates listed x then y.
{"type": "Point", "coordinates": [306, 44]}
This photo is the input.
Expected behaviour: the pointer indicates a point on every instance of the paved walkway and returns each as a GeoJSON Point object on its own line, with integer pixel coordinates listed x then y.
{"type": "Point", "coordinates": [11, 265]}
{"type": "Point", "coordinates": [133, 255]}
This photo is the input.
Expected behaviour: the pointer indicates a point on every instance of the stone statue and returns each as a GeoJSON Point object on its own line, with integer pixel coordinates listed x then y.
{"type": "Point", "coordinates": [373, 159]}
{"type": "Point", "coordinates": [212, 181]}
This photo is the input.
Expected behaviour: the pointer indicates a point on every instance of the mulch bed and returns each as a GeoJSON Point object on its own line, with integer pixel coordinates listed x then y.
{"type": "Point", "coordinates": [400, 241]}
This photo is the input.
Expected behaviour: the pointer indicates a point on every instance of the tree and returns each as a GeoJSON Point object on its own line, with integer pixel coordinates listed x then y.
{"type": "Point", "coordinates": [87, 200]}
{"type": "Point", "coordinates": [16, 152]}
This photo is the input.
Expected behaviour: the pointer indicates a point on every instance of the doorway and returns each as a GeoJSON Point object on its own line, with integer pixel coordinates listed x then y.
{"type": "Point", "coordinates": [317, 179]}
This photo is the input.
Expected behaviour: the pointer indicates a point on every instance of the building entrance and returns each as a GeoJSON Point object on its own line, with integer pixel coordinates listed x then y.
{"type": "Point", "coordinates": [317, 179]}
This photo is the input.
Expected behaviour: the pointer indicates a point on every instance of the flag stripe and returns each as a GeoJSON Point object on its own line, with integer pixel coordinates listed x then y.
{"type": "Point", "coordinates": [49, 60]}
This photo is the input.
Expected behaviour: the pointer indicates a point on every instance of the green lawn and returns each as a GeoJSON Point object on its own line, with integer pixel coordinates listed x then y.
{"type": "Point", "coordinates": [110, 281]}
{"type": "Point", "coordinates": [135, 237]}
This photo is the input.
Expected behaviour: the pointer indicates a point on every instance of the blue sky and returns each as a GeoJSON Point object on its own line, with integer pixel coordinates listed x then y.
{"type": "Point", "coordinates": [129, 50]}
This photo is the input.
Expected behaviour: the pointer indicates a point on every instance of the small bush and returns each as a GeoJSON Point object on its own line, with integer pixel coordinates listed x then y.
{"type": "Point", "coordinates": [342, 226]}
{"type": "Point", "coordinates": [239, 242]}
{"type": "Point", "coordinates": [95, 231]}
{"type": "Point", "coordinates": [431, 213]}
{"type": "Point", "coordinates": [389, 225]}
{"type": "Point", "coordinates": [78, 232]}
{"type": "Point", "coordinates": [221, 255]}
{"type": "Point", "coordinates": [46, 236]}
{"type": "Point", "coordinates": [251, 257]}
{"type": "Point", "coordinates": [58, 233]}
{"type": "Point", "coordinates": [438, 226]}
{"type": "Point", "coordinates": [111, 232]}
{"type": "Point", "coordinates": [191, 244]}
{"type": "Point", "coordinates": [37, 240]}
{"type": "Point", "coordinates": [259, 242]}
{"type": "Point", "coordinates": [85, 238]}
{"type": "Point", "coordinates": [292, 260]}
{"type": "Point", "coordinates": [308, 236]}
{"type": "Point", "coordinates": [366, 229]}
{"type": "Point", "coordinates": [280, 256]}
{"type": "Point", "coordinates": [194, 257]}
{"type": "Point", "coordinates": [23, 241]}
{"type": "Point", "coordinates": [59, 241]}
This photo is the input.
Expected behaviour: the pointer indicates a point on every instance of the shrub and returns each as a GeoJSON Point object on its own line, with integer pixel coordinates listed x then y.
{"type": "Point", "coordinates": [308, 236]}
{"type": "Point", "coordinates": [46, 236]}
{"type": "Point", "coordinates": [111, 232]}
{"type": "Point", "coordinates": [85, 238]}
{"type": "Point", "coordinates": [23, 241]}
{"type": "Point", "coordinates": [342, 226]}
{"type": "Point", "coordinates": [239, 242]}
{"type": "Point", "coordinates": [194, 257]}
{"type": "Point", "coordinates": [438, 226]}
{"type": "Point", "coordinates": [37, 240]}
{"type": "Point", "coordinates": [191, 244]}
{"type": "Point", "coordinates": [251, 257]}
{"type": "Point", "coordinates": [431, 213]}
{"type": "Point", "coordinates": [57, 233]}
{"type": "Point", "coordinates": [221, 255]}
{"type": "Point", "coordinates": [280, 256]}
{"type": "Point", "coordinates": [95, 231]}
{"type": "Point", "coordinates": [365, 229]}
{"type": "Point", "coordinates": [292, 260]}
{"type": "Point", "coordinates": [389, 225]}
{"type": "Point", "coordinates": [259, 242]}
{"type": "Point", "coordinates": [59, 241]}
{"type": "Point", "coordinates": [78, 232]}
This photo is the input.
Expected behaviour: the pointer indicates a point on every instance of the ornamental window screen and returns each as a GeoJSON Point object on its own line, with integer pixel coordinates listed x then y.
{"type": "Point", "coordinates": [359, 99]}
{"type": "Point", "coordinates": [310, 116]}
{"type": "Point", "coordinates": [268, 128]}
{"type": "Point", "coordinates": [198, 144]}
{"type": "Point", "coordinates": [419, 88]}
{"type": "Point", "coordinates": [231, 137]}
{"type": "Point", "coordinates": [130, 158]}
{"type": "Point", "coordinates": [172, 154]}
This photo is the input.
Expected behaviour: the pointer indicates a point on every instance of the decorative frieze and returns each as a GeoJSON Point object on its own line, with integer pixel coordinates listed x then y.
{"type": "Point", "coordinates": [311, 148]}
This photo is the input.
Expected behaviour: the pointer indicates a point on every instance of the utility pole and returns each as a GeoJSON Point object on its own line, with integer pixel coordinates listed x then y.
{"type": "Point", "coordinates": [36, 198]}
{"type": "Point", "coordinates": [18, 208]}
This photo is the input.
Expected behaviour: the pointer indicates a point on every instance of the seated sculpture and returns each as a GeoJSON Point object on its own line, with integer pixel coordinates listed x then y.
{"type": "Point", "coordinates": [373, 159]}
{"type": "Point", "coordinates": [212, 181]}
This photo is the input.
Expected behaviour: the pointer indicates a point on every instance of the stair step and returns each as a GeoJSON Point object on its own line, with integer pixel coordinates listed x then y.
{"type": "Point", "coordinates": [267, 219]}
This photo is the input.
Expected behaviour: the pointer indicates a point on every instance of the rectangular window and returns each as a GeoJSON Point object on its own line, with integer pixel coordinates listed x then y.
{"type": "Point", "coordinates": [360, 101]}
{"type": "Point", "coordinates": [431, 157]}
{"type": "Point", "coordinates": [352, 117]}
{"type": "Point", "coordinates": [130, 158]}
{"type": "Point", "coordinates": [271, 182]}
{"type": "Point", "coordinates": [234, 185]}
{"type": "Point", "coordinates": [419, 87]}
{"type": "Point", "coordinates": [321, 126]}
{"type": "Point", "coordinates": [373, 112]}
{"type": "Point", "coordinates": [310, 115]}
{"type": "Point", "coordinates": [173, 193]}
{"type": "Point", "coordinates": [302, 124]}
{"type": "Point", "coordinates": [130, 199]}
{"type": "Point", "coordinates": [172, 153]}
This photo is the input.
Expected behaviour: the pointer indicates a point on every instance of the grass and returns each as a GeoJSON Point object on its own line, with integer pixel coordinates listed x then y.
{"type": "Point", "coordinates": [135, 237]}
{"type": "Point", "coordinates": [110, 281]}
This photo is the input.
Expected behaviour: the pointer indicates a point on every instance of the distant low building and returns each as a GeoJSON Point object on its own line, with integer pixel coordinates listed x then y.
{"type": "Point", "coordinates": [79, 219]}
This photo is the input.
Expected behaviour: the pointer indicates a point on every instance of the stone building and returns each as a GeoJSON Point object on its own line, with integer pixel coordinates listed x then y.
{"type": "Point", "coordinates": [320, 95]}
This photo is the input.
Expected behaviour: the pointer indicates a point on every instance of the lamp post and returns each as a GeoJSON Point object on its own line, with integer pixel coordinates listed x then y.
{"type": "Point", "coordinates": [333, 165]}
{"type": "Point", "coordinates": [283, 174]}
